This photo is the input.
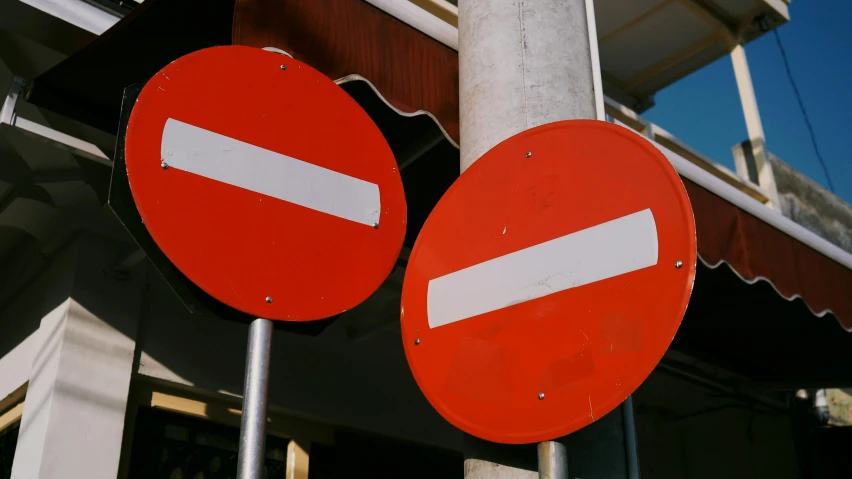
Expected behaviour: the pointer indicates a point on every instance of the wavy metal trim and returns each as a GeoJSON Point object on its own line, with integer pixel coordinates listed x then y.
{"type": "Point", "coordinates": [750, 281]}
{"type": "Point", "coordinates": [791, 298]}
{"type": "Point", "coordinates": [356, 77]}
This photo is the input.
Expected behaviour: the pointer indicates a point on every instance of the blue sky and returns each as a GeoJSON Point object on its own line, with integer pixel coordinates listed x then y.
{"type": "Point", "coordinates": [704, 109]}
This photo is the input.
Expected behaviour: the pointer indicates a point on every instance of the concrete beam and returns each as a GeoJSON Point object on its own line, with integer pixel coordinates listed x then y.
{"type": "Point", "coordinates": [78, 13]}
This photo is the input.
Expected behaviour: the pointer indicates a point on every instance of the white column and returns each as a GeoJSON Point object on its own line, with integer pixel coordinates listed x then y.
{"type": "Point", "coordinates": [747, 96]}
{"type": "Point", "coordinates": [77, 395]}
{"type": "Point", "coordinates": [522, 63]}
{"type": "Point", "coordinates": [751, 157]}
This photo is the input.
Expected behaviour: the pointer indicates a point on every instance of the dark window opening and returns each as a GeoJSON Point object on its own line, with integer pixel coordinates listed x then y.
{"type": "Point", "coordinates": [8, 443]}
{"type": "Point", "coordinates": [174, 446]}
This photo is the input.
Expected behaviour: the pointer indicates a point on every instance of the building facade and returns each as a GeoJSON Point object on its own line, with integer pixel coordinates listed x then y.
{"type": "Point", "coordinates": [110, 367]}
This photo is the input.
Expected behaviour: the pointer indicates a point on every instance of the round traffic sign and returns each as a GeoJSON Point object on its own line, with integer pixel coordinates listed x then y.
{"type": "Point", "coordinates": [265, 183]}
{"type": "Point", "coordinates": [548, 281]}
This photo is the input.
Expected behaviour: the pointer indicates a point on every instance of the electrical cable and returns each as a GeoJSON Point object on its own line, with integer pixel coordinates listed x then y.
{"type": "Point", "coordinates": [802, 107]}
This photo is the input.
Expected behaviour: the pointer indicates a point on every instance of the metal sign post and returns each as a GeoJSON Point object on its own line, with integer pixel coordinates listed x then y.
{"type": "Point", "coordinates": [255, 392]}
{"type": "Point", "coordinates": [256, 168]}
{"type": "Point", "coordinates": [552, 460]}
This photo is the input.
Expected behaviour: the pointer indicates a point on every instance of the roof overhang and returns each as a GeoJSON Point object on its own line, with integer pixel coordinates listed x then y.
{"type": "Point", "coordinates": [645, 45]}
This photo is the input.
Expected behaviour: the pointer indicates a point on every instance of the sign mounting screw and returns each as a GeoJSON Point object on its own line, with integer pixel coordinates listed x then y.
{"type": "Point", "coordinates": [540, 396]}
{"type": "Point", "coordinates": [416, 341]}
{"type": "Point", "coordinates": [164, 165]}
{"type": "Point", "coordinates": [678, 263]}
{"type": "Point", "coordinates": [529, 154]}
{"type": "Point", "coordinates": [376, 225]}
{"type": "Point", "coordinates": [283, 67]}
{"type": "Point", "coordinates": [269, 299]}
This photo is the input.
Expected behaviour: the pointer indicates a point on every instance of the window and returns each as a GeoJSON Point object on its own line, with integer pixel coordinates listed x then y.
{"type": "Point", "coordinates": [173, 446]}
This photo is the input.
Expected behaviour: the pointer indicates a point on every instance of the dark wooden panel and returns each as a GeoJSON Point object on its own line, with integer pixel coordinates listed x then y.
{"type": "Point", "coordinates": [341, 37]}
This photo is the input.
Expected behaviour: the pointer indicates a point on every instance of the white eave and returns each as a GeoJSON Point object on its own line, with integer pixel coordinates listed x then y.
{"type": "Point", "coordinates": [76, 12]}
{"type": "Point", "coordinates": [644, 45]}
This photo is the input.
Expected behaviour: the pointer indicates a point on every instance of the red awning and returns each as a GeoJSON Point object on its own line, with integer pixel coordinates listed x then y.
{"type": "Point", "coordinates": [415, 72]}
{"type": "Point", "coordinates": [757, 251]}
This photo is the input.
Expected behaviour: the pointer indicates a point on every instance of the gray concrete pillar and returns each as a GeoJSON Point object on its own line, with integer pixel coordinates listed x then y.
{"type": "Point", "coordinates": [75, 404]}
{"type": "Point", "coordinates": [524, 63]}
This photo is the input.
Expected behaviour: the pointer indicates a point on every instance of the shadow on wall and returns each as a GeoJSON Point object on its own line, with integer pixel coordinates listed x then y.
{"type": "Point", "coordinates": [88, 333]}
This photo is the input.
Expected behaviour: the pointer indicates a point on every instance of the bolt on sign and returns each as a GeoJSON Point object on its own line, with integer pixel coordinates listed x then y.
{"type": "Point", "coordinates": [264, 183]}
{"type": "Point", "coordinates": [548, 281]}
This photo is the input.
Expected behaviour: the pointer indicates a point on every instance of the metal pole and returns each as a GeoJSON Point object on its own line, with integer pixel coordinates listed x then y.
{"type": "Point", "coordinates": [552, 460]}
{"type": "Point", "coordinates": [631, 447]}
{"type": "Point", "coordinates": [253, 424]}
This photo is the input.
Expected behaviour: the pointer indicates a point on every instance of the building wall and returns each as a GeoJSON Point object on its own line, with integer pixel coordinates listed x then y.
{"type": "Point", "coordinates": [812, 206]}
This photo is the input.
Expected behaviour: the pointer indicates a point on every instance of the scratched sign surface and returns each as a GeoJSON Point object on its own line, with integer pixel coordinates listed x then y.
{"type": "Point", "coordinates": [265, 183]}
{"type": "Point", "coordinates": [548, 281]}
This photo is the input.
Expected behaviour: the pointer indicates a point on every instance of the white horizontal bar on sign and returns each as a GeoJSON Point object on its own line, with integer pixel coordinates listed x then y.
{"type": "Point", "coordinates": [602, 251]}
{"type": "Point", "coordinates": [227, 160]}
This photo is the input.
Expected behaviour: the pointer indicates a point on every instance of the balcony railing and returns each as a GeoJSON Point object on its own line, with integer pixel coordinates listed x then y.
{"type": "Point", "coordinates": [630, 119]}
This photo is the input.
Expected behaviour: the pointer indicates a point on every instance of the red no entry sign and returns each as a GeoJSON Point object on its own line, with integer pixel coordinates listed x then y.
{"type": "Point", "coordinates": [548, 281]}
{"type": "Point", "coordinates": [265, 183]}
